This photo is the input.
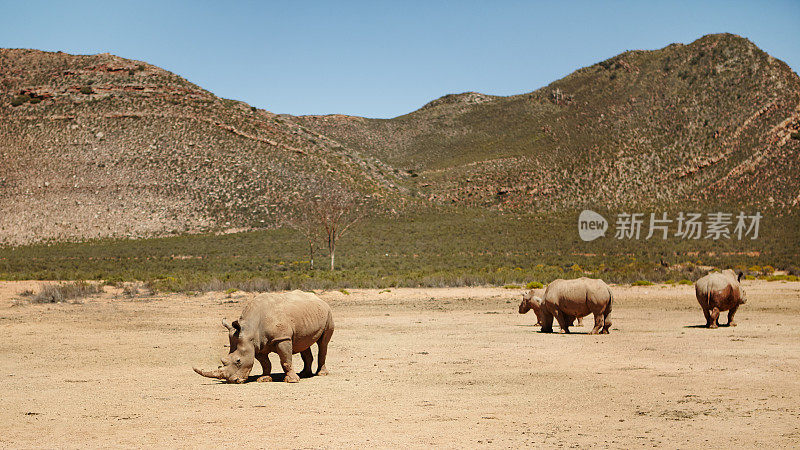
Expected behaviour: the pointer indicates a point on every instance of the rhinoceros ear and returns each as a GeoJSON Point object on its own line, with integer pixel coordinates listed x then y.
{"type": "Point", "coordinates": [232, 327]}
{"type": "Point", "coordinates": [739, 277]}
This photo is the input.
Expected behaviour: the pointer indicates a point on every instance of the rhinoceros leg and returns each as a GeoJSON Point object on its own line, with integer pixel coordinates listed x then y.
{"type": "Point", "coordinates": [708, 317]}
{"type": "Point", "coordinates": [322, 345]}
{"type": "Point", "coordinates": [284, 351]}
{"type": "Point", "coordinates": [599, 323]}
{"type": "Point", "coordinates": [266, 365]}
{"type": "Point", "coordinates": [606, 323]}
{"type": "Point", "coordinates": [308, 359]}
{"type": "Point", "coordinates": [547, 321]}
{"type": "Point", "coordinates": [563, 321]}
{"type": "Point", "coordinates": [714, 314]}
{"type": "Point", "coordinates": [732, 311]}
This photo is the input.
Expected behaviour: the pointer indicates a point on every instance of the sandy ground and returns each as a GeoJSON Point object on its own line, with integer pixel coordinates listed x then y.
{"type": "Point", "coordinates": [409, 368]}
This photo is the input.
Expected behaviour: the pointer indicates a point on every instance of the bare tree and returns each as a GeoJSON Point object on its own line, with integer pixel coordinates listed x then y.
{"type": "Point", "coordinates": [324, 214]}
{"type": "Point", "coordinates": [336, 211]}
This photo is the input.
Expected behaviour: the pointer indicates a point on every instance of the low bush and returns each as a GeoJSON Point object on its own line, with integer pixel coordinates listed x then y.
{"type": "Point", "coordinates": [19, 100]}
{"type": "Point", "coordinates": [641, 283]}
{"type": "Point", "coordinates": [783, 278]}
{"type": "Point", "coordinates": [137, 289]}
{"type": "Point", "coordinates": [62, 292]}
{"type": "Point", "coordinates": [534, 285]}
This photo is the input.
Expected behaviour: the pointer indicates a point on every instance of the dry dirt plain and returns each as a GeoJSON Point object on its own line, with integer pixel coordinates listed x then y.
{"type": "Point", "coordinates": [409, 368]}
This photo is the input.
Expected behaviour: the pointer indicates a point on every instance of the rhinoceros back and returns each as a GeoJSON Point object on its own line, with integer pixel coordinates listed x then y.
{"type": "Point", "coordinates": [297, 315]}
{"type": "Point", "coordinates": [580, 296]}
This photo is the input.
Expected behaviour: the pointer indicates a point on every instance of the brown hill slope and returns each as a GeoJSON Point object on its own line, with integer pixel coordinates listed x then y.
{"type": "Point", "coordinates": [707, 122]}
{"type": "Point", "coordinates": [98, 146]}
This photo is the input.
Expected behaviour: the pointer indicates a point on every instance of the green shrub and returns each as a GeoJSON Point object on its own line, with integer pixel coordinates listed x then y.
{"type": "Point", "coordinates": [19, 100]}
{"type": "Point", "coordinates": [512, 286]}
{"type": "Point", "coordinates": [685, 281]}
{"type": "Point", "coordinates": [344, 291]}
{"type": "Point", "coordinates": [783, 278]}
{"type": "Point", "coordinates": [534, 285]}
{"type": "Point", "coordinates": [641, 283]}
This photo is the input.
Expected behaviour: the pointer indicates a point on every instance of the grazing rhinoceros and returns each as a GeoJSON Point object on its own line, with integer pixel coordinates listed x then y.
{"type": "Point", "coordinates": [719, 292]}
{"type": "Point", "coordinates": [285, 323]}
{"type": "Point", "coordinates": [567, 300]}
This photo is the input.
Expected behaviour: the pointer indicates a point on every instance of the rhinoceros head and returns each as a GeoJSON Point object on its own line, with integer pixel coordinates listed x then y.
{"type": "Point", "coordinates": [531, 302]}
{"type": "Point", "coordinates": [237, 364]}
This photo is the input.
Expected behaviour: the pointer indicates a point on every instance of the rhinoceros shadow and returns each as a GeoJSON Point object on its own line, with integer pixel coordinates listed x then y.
{"type": "Point", "coordinates": [555, 330]}
{"type": "Point", "coordinates": [722, 325]}
{"type": "Point", "coordinates": [276, 377]}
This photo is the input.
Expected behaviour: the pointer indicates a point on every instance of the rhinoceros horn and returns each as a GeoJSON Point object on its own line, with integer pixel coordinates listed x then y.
{"type": "Point", "coordinates": [210, 373]}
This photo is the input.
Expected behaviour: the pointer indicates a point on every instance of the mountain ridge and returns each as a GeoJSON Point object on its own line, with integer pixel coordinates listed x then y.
{"type": "Point", "coordinates": [102, 146]}
{"type": "Point", "coordinates": [655, 123]}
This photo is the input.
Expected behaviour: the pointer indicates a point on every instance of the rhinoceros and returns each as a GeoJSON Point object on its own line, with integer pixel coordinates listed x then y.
{"type": "Point", "coordinates": [567, 300]}
{"type": "Point", "coordinates": [720, 292]}
{"type": "Point", "coordinates": [285, 324]}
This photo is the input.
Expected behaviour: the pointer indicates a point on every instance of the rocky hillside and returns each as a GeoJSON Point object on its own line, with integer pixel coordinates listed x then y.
{"type": "Point", "coordinates": [101, 146]}
{"type": "Point", "coordinates": [715, 121]}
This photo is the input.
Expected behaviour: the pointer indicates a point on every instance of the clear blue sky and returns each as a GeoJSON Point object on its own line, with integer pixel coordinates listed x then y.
{"type": "Point", "coordinates": [380, 58]}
